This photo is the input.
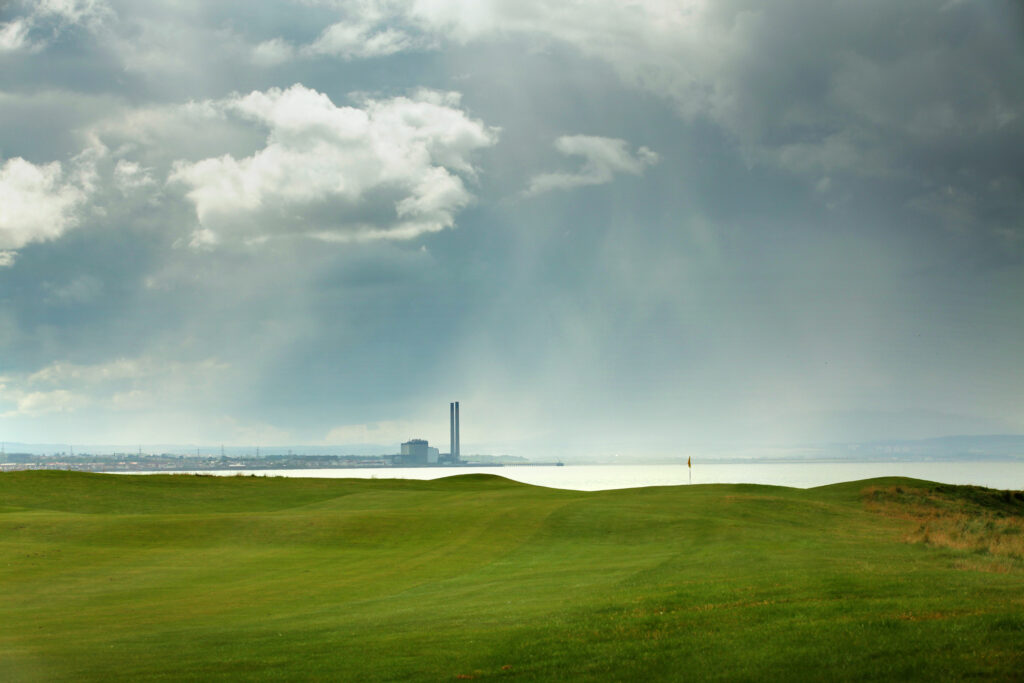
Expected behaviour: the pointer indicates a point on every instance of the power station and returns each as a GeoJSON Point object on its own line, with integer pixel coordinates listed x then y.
{"type": "Point", "coordinates": [454, 425]}
{"type": "Point", "coordinates": [419, 452]}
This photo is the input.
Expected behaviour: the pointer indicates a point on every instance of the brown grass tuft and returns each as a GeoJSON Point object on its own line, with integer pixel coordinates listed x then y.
{"type": "Point", "coordinates": [966, 518]}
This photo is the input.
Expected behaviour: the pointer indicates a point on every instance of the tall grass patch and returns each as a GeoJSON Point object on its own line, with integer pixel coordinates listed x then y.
{"type": "Point", "coordinates": [964, 518]}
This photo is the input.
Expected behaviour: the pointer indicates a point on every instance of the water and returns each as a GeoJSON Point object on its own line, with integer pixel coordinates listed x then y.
{"type": "Point", "coordinates": [1000, 475]}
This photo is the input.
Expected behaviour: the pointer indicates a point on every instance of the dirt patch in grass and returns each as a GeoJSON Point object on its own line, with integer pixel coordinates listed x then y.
{"type": "Point", "coordinates": [986, 522]}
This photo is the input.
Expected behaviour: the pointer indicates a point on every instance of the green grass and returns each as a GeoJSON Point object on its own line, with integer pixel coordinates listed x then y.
{"type": "Point", "coordinates": [106, 577]}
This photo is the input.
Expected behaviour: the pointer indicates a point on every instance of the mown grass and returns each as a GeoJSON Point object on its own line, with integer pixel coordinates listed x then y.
{"type": "Point", "coordinates": [180, 577]}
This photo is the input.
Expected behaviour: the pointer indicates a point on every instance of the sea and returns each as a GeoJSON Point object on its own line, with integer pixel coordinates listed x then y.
{"type": "Point", "coordinates": [992, 474]}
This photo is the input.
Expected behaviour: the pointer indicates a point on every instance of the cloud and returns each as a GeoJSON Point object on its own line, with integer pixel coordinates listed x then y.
{"type": "Point", "coordinates": [140, 383]}
{"type": "Point", "coordinates": [368, 29]}
{"type": "Point", "coordinates": [142, 370]}
{"type": "Point", "coordinates": [389, 169]}
{"type": "Point", "coordinates": [39, 202]}
{"type": "Point", "coordinates": [13, 35]}
{"type": "Point", "coordinates": [138, 398]}
{"type": "Point", "coordinates": [360, 40]}
{"type": "Point", "coordinates": [130, 176]}
{"type": "Point", "coordinates": [272, 52]}
{"type": "Point", "coordinates": [862, 93]}
{"type": "Point", "coordinates": [45, 19]}
{"type": "Point", "coordinates": [829, 104]}
{"type": "Point", "coordinates": [71, 11]}
{"type": "Point", "coordinates": [602, 159]}
{"type": "Point", "coordinates": [903, 116]}
{"type": "Point", "coordinates": [39, 403]}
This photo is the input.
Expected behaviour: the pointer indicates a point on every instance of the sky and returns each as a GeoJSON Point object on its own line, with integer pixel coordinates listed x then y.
{"type": "Point", "coordinates": [608, 227]}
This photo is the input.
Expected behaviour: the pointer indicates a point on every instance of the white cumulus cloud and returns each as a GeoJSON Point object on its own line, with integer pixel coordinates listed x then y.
{"type": "Point", "coordinates": [390, 168]}
{"type": "Point", "coordinates": [38, 202]}
{"type": "Point", "coordinates": [602, 157]}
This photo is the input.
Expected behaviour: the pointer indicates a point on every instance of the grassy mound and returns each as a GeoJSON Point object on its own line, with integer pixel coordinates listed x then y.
{"type": "Point", "coordinates": [190, 577]}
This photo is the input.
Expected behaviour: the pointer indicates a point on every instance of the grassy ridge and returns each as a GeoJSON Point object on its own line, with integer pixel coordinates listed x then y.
{"type": "Point", "coordinates": [172, 577]}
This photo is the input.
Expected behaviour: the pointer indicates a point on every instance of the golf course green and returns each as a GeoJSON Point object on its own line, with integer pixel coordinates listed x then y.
{"type": "Point", "coordinates": [183, 577]}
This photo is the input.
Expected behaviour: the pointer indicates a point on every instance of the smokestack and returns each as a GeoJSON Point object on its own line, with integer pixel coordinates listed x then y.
{"type": "Point", "coordinates": [458, 446]}
{"type": "Point", "coordinates": [451, 430]}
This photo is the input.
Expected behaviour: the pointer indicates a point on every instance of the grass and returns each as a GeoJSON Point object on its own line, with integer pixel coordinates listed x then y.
{"type": "Point", "coordinates": [970, 518]}
{"type": "Point", "coordinates": [106, 577]}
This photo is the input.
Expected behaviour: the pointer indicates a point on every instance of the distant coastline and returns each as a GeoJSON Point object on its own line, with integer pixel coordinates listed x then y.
{"type": "Point", "coordinates": [86, 462]}
{"type": "Point", "coordinates": [1007, 448]}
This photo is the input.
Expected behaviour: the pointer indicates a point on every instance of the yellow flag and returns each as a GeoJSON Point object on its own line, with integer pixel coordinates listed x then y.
{"type": "Point", "coordinates": [688, 463]}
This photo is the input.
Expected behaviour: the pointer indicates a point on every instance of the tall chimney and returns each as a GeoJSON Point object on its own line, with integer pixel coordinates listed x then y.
{"type": "Point", "coordinates": [451, 429]}
{"type": "Point", "coordinates": [458, 446]}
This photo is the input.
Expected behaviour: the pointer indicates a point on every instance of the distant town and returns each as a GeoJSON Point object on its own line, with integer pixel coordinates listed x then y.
{"type": "Point", "coordinates": [412, 453]}
{"type": "Point", "coordinates": [419, 453]}
{"type": "Point", "coordinates": [167, 462]}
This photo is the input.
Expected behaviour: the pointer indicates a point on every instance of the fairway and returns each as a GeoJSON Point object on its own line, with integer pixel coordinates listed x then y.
{"type": "Point", "coordinates": [176, 577]}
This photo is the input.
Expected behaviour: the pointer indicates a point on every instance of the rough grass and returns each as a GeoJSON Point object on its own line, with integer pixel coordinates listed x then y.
{"type": "Point", "coordinates": [201, 578]}
{"type": "Point", "coordinates": [966, 518]}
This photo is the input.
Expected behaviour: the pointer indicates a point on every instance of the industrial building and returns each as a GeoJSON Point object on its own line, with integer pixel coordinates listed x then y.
{"type": "Point", "coordinates": [420, 452]}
